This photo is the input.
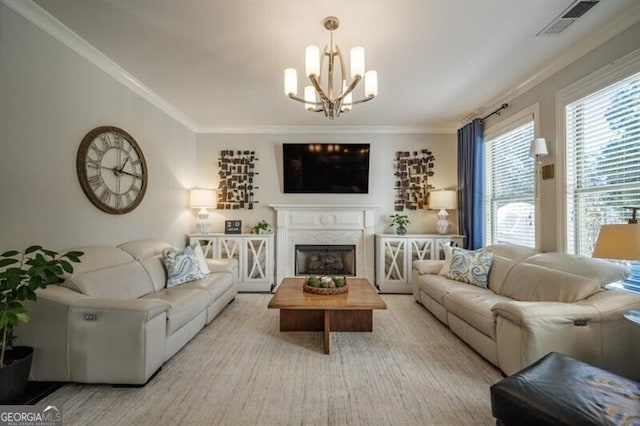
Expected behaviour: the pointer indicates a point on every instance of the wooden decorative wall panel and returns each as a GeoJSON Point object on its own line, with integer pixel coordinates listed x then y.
{"type": "Point", "coordinates": [412, 171]}
{"type": "Point", "coordinates": [237, 180]}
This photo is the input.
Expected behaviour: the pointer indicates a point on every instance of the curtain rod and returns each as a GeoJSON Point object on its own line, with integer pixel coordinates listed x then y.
{"type": "Point", "coordinates": [496, 112]}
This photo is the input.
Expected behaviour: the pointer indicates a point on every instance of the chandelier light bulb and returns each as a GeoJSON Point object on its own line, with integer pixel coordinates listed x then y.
{"type": "Point", "coordinates": [357, 62]}
{"type": "Point", "coordinates": [346, 102]}
{"type": "Point", "coordinates": [310, 98]}
{"type": "Point", "coordinates": [312, 60]}
{"type": "Point", "coordinates": [290, 82]}
{"type": "Point", "coordinates": [371, 83]}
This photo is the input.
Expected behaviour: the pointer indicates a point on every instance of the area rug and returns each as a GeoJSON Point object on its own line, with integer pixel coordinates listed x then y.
{"type": "Point", "coordinates": [240, 370]}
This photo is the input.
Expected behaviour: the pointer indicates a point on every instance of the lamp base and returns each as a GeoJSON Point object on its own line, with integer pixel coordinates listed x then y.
{"type": "Point", "coordinates": [443, 225]}
{"type": "Point", "coordinates": [202, 224]}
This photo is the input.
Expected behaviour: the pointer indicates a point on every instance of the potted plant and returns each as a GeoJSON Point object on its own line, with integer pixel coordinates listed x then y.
{"type": "Point", "coordinates": [400, 221]}
{"type": "Point", "coordinates": [262, 227]}
{"type": "Point", "coordinates": [21, 273]}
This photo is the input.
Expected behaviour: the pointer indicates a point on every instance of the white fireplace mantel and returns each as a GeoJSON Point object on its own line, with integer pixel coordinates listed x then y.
{"type": "Point", "coordinates": [324, 224]}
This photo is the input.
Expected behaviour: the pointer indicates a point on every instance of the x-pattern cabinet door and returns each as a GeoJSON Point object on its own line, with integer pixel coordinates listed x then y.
{"type": "Point", "coordinates": [256, 266]}
{"type": "Point", "coordinates": [395, 255]}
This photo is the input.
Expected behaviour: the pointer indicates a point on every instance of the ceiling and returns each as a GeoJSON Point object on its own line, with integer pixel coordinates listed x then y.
{"type": "Point", "coordinates": [221, 62]}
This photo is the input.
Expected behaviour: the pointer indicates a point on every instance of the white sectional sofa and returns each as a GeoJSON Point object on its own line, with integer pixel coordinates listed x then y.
{"type": "Point", "coordinates": [536, 303]}
{"type": "Point", "coordinates": [114, 320]}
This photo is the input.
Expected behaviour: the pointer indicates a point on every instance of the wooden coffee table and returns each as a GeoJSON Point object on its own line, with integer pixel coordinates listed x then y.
{"type": "Point", "coordinates": [350, 311]}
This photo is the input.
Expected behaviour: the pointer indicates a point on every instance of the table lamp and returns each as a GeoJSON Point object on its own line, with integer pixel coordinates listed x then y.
{"type": "Point", "coordinates": [620, 242]}
{"type": "Point", "coordinates": [203, 199]}
{"type": "Point", "coordinates": [443, 200]}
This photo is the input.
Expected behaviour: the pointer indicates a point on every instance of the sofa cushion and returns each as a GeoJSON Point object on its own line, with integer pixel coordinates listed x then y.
{"type": "Point", "coordinates": [141, 249]}
{"type": "Point", "coordinates": [437, 287]}
{"type": "Point", "coordinates": [505, 257]}
{"type": "Point", "coordinates": [470, 266]}
{"type": "Point", "coordinates": [428, 266]}
{"type": "Point", "coordinates": [124, 281]}
{"type": "Point", "coordinates": [474, 307]}
{"type": "Point", "coordinates": [186, 304]}
{"type": "Point", "coordinates": [98, 257]}
{"type": "Point", "coordinates": [182, 266]}
{"type": "Point", "coordinates": [215, 284]}
{"type": "Point", "coordinates": [149, 253]}
{"type": "Point", "coordinates": [559, 277]}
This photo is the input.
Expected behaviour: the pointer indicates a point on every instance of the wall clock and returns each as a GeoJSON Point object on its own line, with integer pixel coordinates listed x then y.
{"type": "Point", "coordinates": [112, 169]}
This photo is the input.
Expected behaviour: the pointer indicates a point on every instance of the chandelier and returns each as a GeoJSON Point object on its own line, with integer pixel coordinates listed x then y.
{"type": "Point", "coordinates": [317, 98]}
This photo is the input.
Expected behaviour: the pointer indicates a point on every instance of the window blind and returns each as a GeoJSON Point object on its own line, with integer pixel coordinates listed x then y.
{"type": "Point", "coordinates": [509, 187]}
{"type": "Point", "coordinates": [602, 162]}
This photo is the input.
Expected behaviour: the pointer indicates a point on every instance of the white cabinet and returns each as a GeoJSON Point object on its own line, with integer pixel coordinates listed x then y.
{"type": "Point", "coordinates": [254, 254]}
{"type": "Point", "coordinates": [396, 253]}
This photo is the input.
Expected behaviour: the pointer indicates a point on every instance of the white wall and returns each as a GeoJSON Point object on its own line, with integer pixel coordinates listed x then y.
{"type": "Point", "coordinates": [50, 97]}
{"type": "Point", "coordinates": [544, 93]}
{"type": "Point", "coordinates": [381, 178]}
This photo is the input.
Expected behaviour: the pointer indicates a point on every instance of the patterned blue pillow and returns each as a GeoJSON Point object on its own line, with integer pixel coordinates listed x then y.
{"type": "Point", "coordinates": [182, 266]}
{"type": "Point", "coordinates": [470, 266]}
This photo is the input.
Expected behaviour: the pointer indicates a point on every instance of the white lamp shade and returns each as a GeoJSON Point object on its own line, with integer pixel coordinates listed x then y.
{"type": "Point", "coordinates": [445, 200]}
{"type": "Point", "coordinates": [202, 198]}
{"type": "Point", "coordinates": [312, 60]}
{"type": "Point", "coordinates": [290, 82]}
{"type": "Point", "coordinates": [371, 83]}
{"type": "Point", "coordinates": [357, 61]}
{"type": "Point", "coordinates": [538, 147]}
{"type": "Point", "coordinates": [310, 97]}
{"type": "Point", "coordinates": [620, 241]}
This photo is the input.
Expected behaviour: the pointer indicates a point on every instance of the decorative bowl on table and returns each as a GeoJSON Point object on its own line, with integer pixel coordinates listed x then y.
{"type": "Point", "coordinates": [325, 285]}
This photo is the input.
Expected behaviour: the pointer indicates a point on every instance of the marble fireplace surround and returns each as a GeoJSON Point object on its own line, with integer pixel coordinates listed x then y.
{"type": "Point", "coordinates": [324, 224]}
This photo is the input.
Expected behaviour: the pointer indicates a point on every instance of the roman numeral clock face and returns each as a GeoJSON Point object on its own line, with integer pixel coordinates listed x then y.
{"type": "Point", "coordinates": [112, 170]}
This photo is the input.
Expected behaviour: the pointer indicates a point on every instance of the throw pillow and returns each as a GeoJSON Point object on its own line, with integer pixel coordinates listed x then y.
{"type": "Point", "coordinates": [202, 262]}
{"type": "Point", "coordinates": [447, 261]}
{"type": "Point", "coordinates": [182, 266]}
{"type": "Point", "coordinates": [470, 266]}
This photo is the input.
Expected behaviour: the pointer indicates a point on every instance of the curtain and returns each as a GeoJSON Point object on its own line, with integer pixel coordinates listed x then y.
{"type": "Point", "coordinates": [470, 176]}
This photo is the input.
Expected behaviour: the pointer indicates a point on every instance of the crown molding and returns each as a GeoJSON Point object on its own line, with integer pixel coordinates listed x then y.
{"type": "Point", "coordinates": [42, 19]}
{"type": "Point", "coordinates": [566, 58]}
{"type": "Point", "coordinates": [270, 130]}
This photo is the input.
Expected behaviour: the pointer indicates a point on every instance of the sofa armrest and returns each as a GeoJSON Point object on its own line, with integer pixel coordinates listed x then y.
{"type": "Point", "coordinates": [423, 267]}
{"type": "Point", "coordinates": [222, 265]}
{"type": "Point", "coordinates": [143, 309]}
{"type": "Point", "coordinates": [92, 340]}
{"type": "Point", "coordinates": [524, 313]}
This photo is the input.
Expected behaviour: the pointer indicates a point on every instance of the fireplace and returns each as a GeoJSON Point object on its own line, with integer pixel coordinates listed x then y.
{"type": "Point", "coordinates": [313, 224]}
{"type": "Point", "coordinates": [325, 259]}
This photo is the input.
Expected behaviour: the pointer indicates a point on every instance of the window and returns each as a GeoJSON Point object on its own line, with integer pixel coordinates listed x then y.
{"type": "Point", "coordinates": [602, 161]}
{"type": "Point", "coordinates": [509, 185]}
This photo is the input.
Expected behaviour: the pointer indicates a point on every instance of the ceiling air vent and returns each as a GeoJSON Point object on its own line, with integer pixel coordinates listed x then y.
{"type": "Point", "coordinates": [575, 11]}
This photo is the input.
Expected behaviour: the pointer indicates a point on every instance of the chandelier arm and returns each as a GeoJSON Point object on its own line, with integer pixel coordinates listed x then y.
{"type": "Point", "coordinates": [368, 98]}
{"type": "Point", "coordinates": [296, 98]}
{"type": "Point", "coordinates": [342, 69]}
{"type": "Point", "coordinates": [349, 89]}
{"type": "Point", "coordinates": [316, 85]}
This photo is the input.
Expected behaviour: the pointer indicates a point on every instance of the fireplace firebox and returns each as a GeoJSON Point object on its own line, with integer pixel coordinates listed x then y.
{"type": "Point", "coordinates": [325, 259]}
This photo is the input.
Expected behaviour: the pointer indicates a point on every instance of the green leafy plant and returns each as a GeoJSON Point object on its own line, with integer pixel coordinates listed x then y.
{"type": "Point", "coordinates": [261, 227]}
{"type": "Point", "coordinates": [399, 220]}
{"type": "Point", "coordinates": [21, 273]}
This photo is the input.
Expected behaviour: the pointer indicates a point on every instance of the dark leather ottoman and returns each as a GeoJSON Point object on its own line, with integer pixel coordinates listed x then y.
{"type": "Point", "coordinates": [560, 390]}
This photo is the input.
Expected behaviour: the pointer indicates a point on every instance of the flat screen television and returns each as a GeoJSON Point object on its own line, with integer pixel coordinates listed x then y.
{"type": "Point", "coordinates": [325, 168]}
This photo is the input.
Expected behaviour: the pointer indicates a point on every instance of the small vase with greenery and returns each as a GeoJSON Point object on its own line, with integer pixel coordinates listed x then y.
{"type": "Point", "coordinates": [400, 221]}
{"type": "Point", "coordinates": [262, 227]}
{"type": "Point", "coordinates": [21, 274]}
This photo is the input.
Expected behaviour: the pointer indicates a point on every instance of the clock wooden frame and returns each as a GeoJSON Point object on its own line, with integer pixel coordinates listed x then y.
{"type": "Point", "coordinates": [94, 192]}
